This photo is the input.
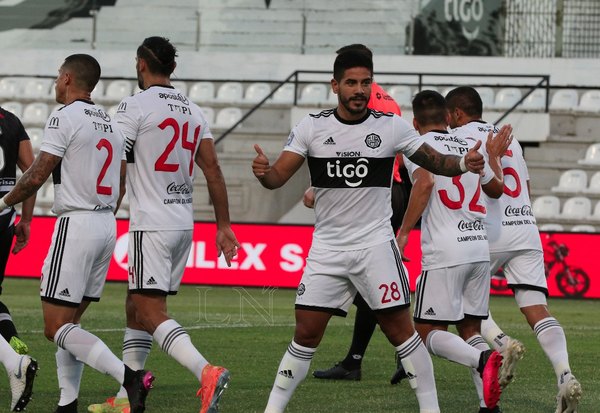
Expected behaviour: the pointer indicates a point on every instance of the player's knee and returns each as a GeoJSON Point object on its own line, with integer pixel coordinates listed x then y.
{"type": "Point", "coordinates": [50, 331]}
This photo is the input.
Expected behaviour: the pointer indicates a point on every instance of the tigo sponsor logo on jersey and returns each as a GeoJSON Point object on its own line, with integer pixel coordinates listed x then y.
{"type": "Point", "coordinates": [353, 174]}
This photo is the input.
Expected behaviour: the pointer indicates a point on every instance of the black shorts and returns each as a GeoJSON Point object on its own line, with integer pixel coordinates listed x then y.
{"type": "Point", "coordinates": [7, 233]}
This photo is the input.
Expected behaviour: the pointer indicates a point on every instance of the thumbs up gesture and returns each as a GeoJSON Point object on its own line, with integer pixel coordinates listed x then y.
{"type": "Point", "coordinates": [260, 164]}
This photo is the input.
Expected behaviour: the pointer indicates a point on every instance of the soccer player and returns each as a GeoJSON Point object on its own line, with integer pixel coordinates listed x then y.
{"type": "Point", "coordinates": [353, 245]}
{"type": "Point", "coordinates": [515, 245]}
{"type": "Point", "coordinates": [82, 148]}
{"type": "Point", "coordinates": [365, 320]}
{"type": "Point", "coordinates": [453, 287]}
{"type": "Point", "coordinates": [165, 134]}
{"type": "Point", "coordinates": [16, 150]}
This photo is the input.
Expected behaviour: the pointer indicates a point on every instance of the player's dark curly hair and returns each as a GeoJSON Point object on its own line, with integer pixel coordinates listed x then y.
{"type": "Point", "coordinates": [349, 59]}
{"type": "Point", "coordinates": [429, 108]}
{"type": "Point", "coordinates": [466, 99]}
{"type": "Point", "coordinates": [159, 54]}
{"type": "Point", "coordinates": [85, 69]}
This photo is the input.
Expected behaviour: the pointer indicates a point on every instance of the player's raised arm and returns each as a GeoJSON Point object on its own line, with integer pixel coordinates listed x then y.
{"type": "Point", "coordinates": [495, 147]}
{"type": "Point", "coordinates": [448, 165]}
{"type": "Point", "coordinates": [274, 176]}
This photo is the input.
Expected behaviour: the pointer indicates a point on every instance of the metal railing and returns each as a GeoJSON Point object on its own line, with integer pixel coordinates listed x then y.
{"type": "Point", "coordinates": [543, 81]}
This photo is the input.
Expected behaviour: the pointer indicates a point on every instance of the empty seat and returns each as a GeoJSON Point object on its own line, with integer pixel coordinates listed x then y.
{"type": "Point", "coordinates": [117, 90]}
{"type": "Point", "coordinates": [202, 92]}
{"type": "Point", "coordinates": [284, 95]}
{"type": "Point", "coordinates": [577, 208]}
{"type": "Point", "coordinates": [35, 136]}
{"type": "Point", "coordinates": [547, 206]}
{"type": "Point", "coordinates": [14, 107]}
{"type": "Point", "coordinates": [402, 94]}
{"type": "Point", "coordinates": [209, 114]}
{"type": "Point", "coordinates": [112, 110]}
{"type": "Point", "coordinates": [596, 215]}
{"type": "Point", "coordinates": [536, 101]}
{"type": "Point", "coordinates": [592, 155]}
{"type": "Point", "coordinates": [257, 92]}
{"type": "Point", "coordinates": [11, 88]}
{"type": "Point", "coordinates": [35, 113]}
{"type": "Point", "coordinates": [313, 94]}
{"type": "Point", "coordinates": [594, 185]}
{"type": "Point", "coordinates": [227, 117]}
{"type": "Point", "coordinates": [98, 92]}
{"type": "Point", "coordinates": [552, 227]}
{"type": "Point", "coordinates": [583, 228]}
{"type": "Point", "coordinates": [230, 92]}
{"type": "Point", "coordinates": [332, 98]}
{"type": "Point", "coordinates": [507, 97]}
{"type": "Point", "coordinates": [37, 88]}
{"type": "Point", "coordinates": [180, 85]}
{"type": "Point", "coordinates": [487, 97]}
{"type": "Point", "coordinates": [590, 101]}
{"type": "Point", "coordinates": [572, 180]}
{"type": "Point", "coordinates": [564, 99]}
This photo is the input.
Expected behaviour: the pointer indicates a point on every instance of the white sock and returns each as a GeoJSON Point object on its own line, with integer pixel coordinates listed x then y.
{"type": "Point", "coordinates": [136, 348]}
{"type": "Point", "coordinates": [479, 343]}
{"type": "Point", "coordinates": [89, 349]}
{"type": "Point", "coordinates": [552, 338]}
{"type": "Point", "coordinates": [176, 342]}
{"type": "Point", "coordinates": [69, 371]}
{"type": "Point", "coordinates": [8, 357]}
{"type": "Point", "coordinates": [452, 347]}
{"type": "Point", "coordinates": [291, 372]}
{"type": "Point", "coordinates": [493, 334]}
{"type": "Point", "coordinates": [417, 364]}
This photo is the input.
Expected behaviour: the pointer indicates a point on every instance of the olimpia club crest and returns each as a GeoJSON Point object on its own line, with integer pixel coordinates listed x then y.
{"type": "Point", "coordinates": [373, 141]}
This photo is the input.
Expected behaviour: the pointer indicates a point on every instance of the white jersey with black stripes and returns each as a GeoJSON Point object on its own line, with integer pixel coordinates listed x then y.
{"type": "Point", "coordinates": [351, 166]}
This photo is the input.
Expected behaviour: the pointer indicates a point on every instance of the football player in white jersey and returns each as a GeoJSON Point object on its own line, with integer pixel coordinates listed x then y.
{"type": "Point", "coordinates": [82, 148]}
{"type": "Point", "coordinates": [350, 152]}
{"type": "Point", "coordinates": [515, 245]}
{"type": "Point", "coordinates": [165, 135]}
{"type": "Point", "coordinates": [453, 287]}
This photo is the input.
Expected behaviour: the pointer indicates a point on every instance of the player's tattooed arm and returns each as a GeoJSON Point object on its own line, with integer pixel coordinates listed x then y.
{"type": "Point", "coordinates": [33, 178]}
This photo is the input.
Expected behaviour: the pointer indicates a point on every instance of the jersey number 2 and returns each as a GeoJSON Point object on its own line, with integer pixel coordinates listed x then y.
{"type": "Point", "coordinates": [161, 163]}
{"type": "Point", "coordinates": [102, 189]}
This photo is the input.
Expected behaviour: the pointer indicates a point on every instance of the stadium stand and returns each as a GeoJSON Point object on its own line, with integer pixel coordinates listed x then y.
{"type": "Point", "coordinates": [547, 206]}
{"type": "Point", "coordinates": [202, 92]}
{"type": "Point", "coordinates": [38, 88]}
{"type": "Point", "coordinates": [117, 90]}
{"type": "Point", "coordinates": [507, 97]}
{"type": "Point", "coordinates": [284, 95]}
{"type": "Point", "coordinates": [572, 180]}
{"type": "Point", "coordinates": [564, 100]}
{"type": "Point", "coordinates": [209, 114]}
{"type": "Point", "coordinates": [256, 92]}
{"type": "Point", "coordinates": [590, 102]}
{"type": "Point", "coordinates": [592, 155]}
{"type": "Point", "coordinates": [313, 94]}
{"type": "Point", "coordinates": [14, 107]}
{"type": "Point", "coordinates": [594, 185]}
{"type": "Point", "coordinates": [11, 87]}
{"type": "Point", "coordinates": [583, 228]}
{"type": "Point", "coordinates": [487, 97]}
{"type": "Point", "coordinates": [230, 92]}
{"type": "Point", "coordinates": [402, 94]}
{"type": "Point", "coordinates": [227, 117]}
{"type": "Point", "coordinates": [576, 208]}
{"type": "Point", "coordinates": [35, 114]}
{"type": "Point", "coordinates": [536, 101]}
{"type": "Point", "coordinates": [35, 135]}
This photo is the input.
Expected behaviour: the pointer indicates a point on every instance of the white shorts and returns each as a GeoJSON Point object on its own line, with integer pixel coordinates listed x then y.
{"type": "Point", "coordinates": [447, 295]}
{"type": "Point", "coordinates": [156, 260]}
{"type": "Point", "coordinates": [332, 278]}
{"type": "Point", "coordinates": [523, 269]}
{"type": "Point", "coordinates": [77, 262]}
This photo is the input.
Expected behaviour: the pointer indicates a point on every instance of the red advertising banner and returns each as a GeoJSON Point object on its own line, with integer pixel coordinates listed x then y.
{"type": "Point", "coordinates": [273, 255]}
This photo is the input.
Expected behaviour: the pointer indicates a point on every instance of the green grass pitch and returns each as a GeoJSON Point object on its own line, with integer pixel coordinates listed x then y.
{"type": "Point", "coordinates": [247, 330]}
